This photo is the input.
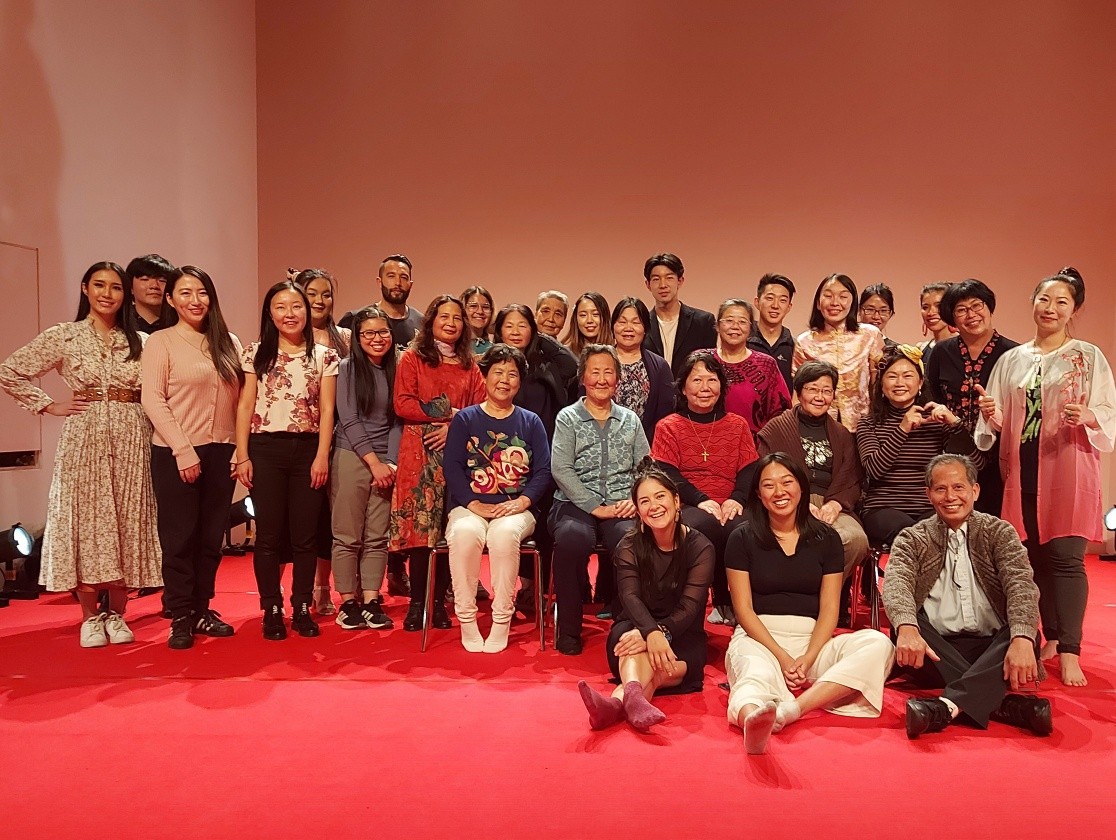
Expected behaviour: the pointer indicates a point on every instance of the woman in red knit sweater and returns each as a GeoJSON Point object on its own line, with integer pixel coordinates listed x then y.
{"type": "Point", "coordinates": [706, 451]}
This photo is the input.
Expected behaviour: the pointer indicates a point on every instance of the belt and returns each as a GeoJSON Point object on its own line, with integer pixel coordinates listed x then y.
{"type": "Point", "coordinates": [112, 393]}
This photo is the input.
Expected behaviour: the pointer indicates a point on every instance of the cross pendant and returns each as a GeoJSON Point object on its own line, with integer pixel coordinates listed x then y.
{"type": "Point", "coordinates": [704, 454]}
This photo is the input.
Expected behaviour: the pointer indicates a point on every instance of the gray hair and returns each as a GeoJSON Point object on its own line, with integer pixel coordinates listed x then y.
{"type": "Point", "coordinates": [552, 293]}
{"type": "Point", "coordinates": [948, 458]}
{"type": "Point", "coordinates": [596, 350]}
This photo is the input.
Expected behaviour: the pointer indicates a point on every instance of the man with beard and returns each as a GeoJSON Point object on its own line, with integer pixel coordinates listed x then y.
{"type": "Point", "coordinates": [395, 288]}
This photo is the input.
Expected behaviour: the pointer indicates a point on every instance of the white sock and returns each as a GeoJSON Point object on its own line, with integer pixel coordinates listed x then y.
{"type": "Point", "coordinates": [471, 639]}
{"type": "Point", "coordinates": [954, 711]}
{"type": "Point", "coordinates": [497, 637]}
{"type": "Point", "coordinates": [757, 728]}
{"type": "Point", "coordinates": [786, 713]}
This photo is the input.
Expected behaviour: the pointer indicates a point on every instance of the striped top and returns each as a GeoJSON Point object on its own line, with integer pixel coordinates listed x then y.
{"type": "Point", "coordinates": [188, 403]}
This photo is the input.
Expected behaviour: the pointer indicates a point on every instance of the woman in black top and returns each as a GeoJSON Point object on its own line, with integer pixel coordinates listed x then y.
{"type": "Point", "coordinates": [784, 571]}
{"type": "Point", "coordinates": [657, 644]}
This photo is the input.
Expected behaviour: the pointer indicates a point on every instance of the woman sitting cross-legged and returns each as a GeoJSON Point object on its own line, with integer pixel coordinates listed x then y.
{"type": "Point", "coordinates": [784, 570]}
{"type": "Point", "coordinates": [707, 451]}
{"type": "Point", "coordinates": [657, 644]}
{"type": "Point", "coordinates": [497, 468]}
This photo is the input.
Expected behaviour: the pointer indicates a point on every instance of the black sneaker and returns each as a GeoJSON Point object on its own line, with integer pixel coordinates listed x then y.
{"type": "Point", "coordinates": [929, 715]}
{"type": "Point", "coordinates": [413, 621]}
{"type": "Point", "coordinates": [209, 623]}
{"type": "Point", "coordinates": [1030, 713]}
{"type": "Point", "coordinates": [302, 623]}
{"type": "Point", "coordinates": [181, 633]}
{"type": "Point", "coordinates": [274, 627]}
{"type": "Point", "coordinates": [349, 616]}
{"type": "Point", "coordinates": [399, 584]}
{"type": "Point", "coordinates": [375, 617]}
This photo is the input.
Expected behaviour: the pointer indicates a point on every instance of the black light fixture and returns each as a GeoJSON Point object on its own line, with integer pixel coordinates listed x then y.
{"type": "Point", "coordinates": [1110, 525]}
{"type": "Point", "coordinates": [241, 513]}
{"type": "Point", "coordinates": [16, 545]}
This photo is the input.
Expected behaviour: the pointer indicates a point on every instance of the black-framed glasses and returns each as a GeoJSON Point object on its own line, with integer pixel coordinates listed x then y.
{"type": "Point", "coordinates": [368, 335]}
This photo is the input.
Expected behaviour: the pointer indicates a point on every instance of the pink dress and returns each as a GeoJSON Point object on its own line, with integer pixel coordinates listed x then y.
{"type": "Point", "coordinates": [855, 355]}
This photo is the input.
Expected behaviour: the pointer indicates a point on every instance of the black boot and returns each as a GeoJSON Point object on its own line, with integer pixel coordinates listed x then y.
{"type": "Point", "coordinates": [413, 621]}
{"type": "Point", "coordinates": [274, 627]}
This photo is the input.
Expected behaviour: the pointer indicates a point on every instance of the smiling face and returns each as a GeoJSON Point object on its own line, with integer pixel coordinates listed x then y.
{"type": "Point", "coordinates": [779, 491]}
{"type": "Point", "coordinates": [288, 313]}
{"type": "Point", "coordinates": [375, 338]}
{"type": "Point", "coordinates": [835, 303]}
{"type": "Point", "coordinates": [319, 291]}
{"type": "Point", "coordinates": [515, 330]}
{"type": "Point", "coordinates": [972, 318]}
{"type": "Point", "coordinates": [628, 330]}
{"type": "Point", "coordinates": [1053, 307]}
{"type": "Point", "coordinates": [816, 397]}
{"type": "Point", "coordinates": [733, 327]}
{"type": "Point", "coordinates": [952, 494]}
{"type": "Point", "coordinates": [502, 383]}
{"type": "Point", "coordinates": [600, 377]}
{"type": "Point", "coordinates": [702, 389]}
{"type": "Point", "coordinates": [900, 383]}
{"type": "Point", "coordinates": [773, 305]}
{"type": "Point", "coordinates": [875, 311]}
{"type": "Point", "coordinates": [479, 312]}
{"type": "Point", "coordinates": [664, 284]}
{"type": "Point", "coordinates": [395, 282]}
{"type": "Point", "coordinates": [551, 316]}
{"type": "Point", "coordinates": [190, 300]}
{"type": "Point", "coordinates": [588, 320]}
{"type": "Point", "coordinates": [930, 317]}
{"type": "Point", "coordinates": [148, 291]}
{"type": "Point", "coordinates": [105, 291]}
{"type": "Point", "coordinates": [449, 321]}
{"type": "Point", "coordinates": [657, 506]}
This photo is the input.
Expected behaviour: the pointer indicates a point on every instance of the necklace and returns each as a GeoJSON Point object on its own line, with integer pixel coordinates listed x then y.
{"type": "Point", "coordinates": [697, 437]}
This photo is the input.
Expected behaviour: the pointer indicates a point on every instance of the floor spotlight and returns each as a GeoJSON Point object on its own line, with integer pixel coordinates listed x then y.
{"type": "Point", "coordinates": [1110, 525]}
{"type": "Point", "coordinates": [16, 545]}
{"type": "Point", "coordinates": [241, 513]}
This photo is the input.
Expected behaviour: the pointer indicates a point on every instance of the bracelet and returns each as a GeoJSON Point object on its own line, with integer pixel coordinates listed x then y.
{"type": "Point", "coordinates": [245, 461]}
{"type": "Point", "coordinates": [662, 628]}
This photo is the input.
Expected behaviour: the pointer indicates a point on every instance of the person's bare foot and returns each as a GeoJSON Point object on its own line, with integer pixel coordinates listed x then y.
{"type": "Point", "coordinates": [1071, 669]}
{"type": "Point", "coordinates": [757, 728]}
{"type": "Point", "coordinates": [1049, 650]}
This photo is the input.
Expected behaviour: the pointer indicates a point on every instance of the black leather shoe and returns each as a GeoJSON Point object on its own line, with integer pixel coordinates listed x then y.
{"type": "Point", "coordinates": [1030, 713]}
{"type": "Point", "coordinates": [931, 715]}
{"type": "Point", "coordinates": [413, 621]}
{"type": "Point", "coordinates": [273, 626]}
{"type": "Point", "coordinates": [440, 620]}
{"type": "Point", "coordinates": [181, 633]}
{"type": "Point", "coordinates": [302, 622]}
{"type": "Point", "coordinates": [209, 623]}
{"type": "Point", "coordinates": [399, 584]}
{"type": "Point", "coordinates": [569, 645]}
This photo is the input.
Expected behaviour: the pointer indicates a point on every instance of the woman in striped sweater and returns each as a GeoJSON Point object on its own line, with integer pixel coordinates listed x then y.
{"type": "Point", "coordinates": [897, 440]}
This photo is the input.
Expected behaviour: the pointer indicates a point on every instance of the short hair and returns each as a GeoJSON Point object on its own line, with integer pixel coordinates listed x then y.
{"type": "Point", "coordinates": [641, 312]}
{"type": "Point", "coordinates": [669, 260]}
{"type": "Point", "coordinates": [812, 371]}
{"type": "Point", "coordinates": [149, 265]}
{"type": "Point", "coordinates": [951, 458]}
{"type": "Point", "coordinates": [552, 293]}
{"type": "Point", "coordinates": [713, 365]}
{"type": "Point", "coordinates": [501, 352]}
{"type": "Point", "coordinates": [775, 280]}
{"type": "Point", "coordinates": [1072, 278]}
{"type": "Point", "coordinates": [964, 290]}
{"type": "Point", "coordinates": [596, 350]}
{"type": "Point", "coordinates": [394, 258]}
{"type": "Point", "coordinates": [817, 322]}
{"type": "Point", "coordinates": [878, 290]}
{"type": "Point", "coordinates": [731, 302]}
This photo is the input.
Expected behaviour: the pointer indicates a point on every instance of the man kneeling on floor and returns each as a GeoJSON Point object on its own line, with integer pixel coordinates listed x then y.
{"type": "Point", "coordinates": [960, 595]}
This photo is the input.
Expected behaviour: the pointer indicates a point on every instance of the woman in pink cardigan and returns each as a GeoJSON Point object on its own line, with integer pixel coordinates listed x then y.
{"type": "Point", "coordinates": [1053, 401]}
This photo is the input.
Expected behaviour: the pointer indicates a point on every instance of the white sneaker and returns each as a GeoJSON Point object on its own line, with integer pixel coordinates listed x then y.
{"type": "Point", "coordinates": [93, 632]}
{"type": "Point", "coordinates": [117, 631]}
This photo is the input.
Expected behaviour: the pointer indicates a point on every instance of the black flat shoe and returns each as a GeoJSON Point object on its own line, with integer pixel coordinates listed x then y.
{"type": "Point", "coordinates": [273, 626]}
{"type": "Point", "coordinates": [440, 620]}
{"type": "Point", "coordinates": [413, 621]}
{"type": "Point", "coordinates": [303, 623]}
{"type": "Point", "coordinates": [930, 715]}
{"type": "Point", "coordinates": [181, 633]}
{"type": "Point", "coordinates": [1030, 713]}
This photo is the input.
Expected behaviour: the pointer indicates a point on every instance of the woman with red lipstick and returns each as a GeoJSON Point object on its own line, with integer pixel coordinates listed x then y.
{"type": "Point", "coordinates": [1052, 402]}
{"type": "Point", "coordinates": [436, 377]}
{"type": "Point", "coordinates": [191, 383]}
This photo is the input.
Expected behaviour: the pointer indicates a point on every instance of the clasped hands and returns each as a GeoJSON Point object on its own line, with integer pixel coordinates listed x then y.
{"type": "Point", "coordinates": [499, 509]}
{"type": "Point", "coordinates": [723, 513]}
{"type": "Point", "coordinates": [656, 647]}
{"type": "Point", "coordinates": [623, 509]}
{"type": "Point", "coordinates": [795, 670]}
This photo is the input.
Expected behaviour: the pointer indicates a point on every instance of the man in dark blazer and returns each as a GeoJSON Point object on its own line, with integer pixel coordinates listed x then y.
{"type": "Point", "coordinates": [677, 330]}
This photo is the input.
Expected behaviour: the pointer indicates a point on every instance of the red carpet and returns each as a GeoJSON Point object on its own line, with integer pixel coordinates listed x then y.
{"type": "Point", "coordinates": [357, 734]}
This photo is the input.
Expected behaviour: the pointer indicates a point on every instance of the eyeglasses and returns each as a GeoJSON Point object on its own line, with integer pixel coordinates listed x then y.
{"type": "Point", "coordinates": [974, 308]}
{"type": "Point", "coordinates": [478, 307]}
{"type": "Point", "coordinates": [735, 322]}
{"type": "Point", "coordinates": [810, 391]}
{"type": "Point", "coordinates": [368, 335]}
{"type": "Point", "coordinates": [871, 310]}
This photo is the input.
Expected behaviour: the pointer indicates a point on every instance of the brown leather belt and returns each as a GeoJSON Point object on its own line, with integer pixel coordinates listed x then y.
{"type": "Point", "coordinates": [114, 394]}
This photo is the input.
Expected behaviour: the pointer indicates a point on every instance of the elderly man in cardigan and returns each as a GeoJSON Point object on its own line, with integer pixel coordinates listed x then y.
{"type": "Point", "coordinates": [960, 596]}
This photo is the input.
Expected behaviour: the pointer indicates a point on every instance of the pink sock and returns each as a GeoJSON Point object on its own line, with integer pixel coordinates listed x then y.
{"type": "Point", "coordinates": [603, 711]}
{"type": "Point", "coordinates": [641, 714]}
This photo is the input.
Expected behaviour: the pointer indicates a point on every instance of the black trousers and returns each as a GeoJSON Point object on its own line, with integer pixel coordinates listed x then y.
{"type": "Point", "coordinates": [287, 511]}
{"type": "Point", "coordinates": [971, 669]}
{"type": "Point", "coordinates": [709, 527]}
{"type": "Point", "coordinates": [575, 535]}
{"type": "Point", "coordinates": [1059, 567]}
{"type": "Point", "coordinates": [419, 561]}
{"type": "Point", "coordinates": [192, 519]}
{"type": "Point", "coordinates": [882, 525]}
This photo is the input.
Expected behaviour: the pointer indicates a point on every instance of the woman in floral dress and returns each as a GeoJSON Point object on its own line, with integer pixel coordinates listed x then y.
{"type": "Point", "coordinates": [435, 378]}
{"type": "Point", "coordinates": [101, 528]}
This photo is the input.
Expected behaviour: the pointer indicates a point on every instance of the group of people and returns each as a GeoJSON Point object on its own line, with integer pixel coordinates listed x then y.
{"type": "Point", "coordinates": [665, 441]}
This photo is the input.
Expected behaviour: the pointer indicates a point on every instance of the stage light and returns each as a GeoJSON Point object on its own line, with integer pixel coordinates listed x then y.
{"type": "Point", "coordinates": [16, 545]}
{"type": "Point", "coordinates": [1110, 524]}
{"type": "Point", "coordinates": [241, 513]}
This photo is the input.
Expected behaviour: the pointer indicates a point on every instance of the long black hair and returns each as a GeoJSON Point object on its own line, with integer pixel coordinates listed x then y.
{"type": "Point", "coordinates": [643, 541]}
{"type": "Point", "coordinates": [303, 279]}
{"type": "Point", "coordinates": [364, 378]}
{"type": "Point", "coordinates": [423, 343]}
{"type": "Point", "coordinates": [222, 351]}
{"type": "Point", "coordinates": [268, 351]}
{"type": "Point", "coordinates": [809, 527]}
{"type": "Point", "coordinates": [817, 320]}
{"type": "Point", "coordinates": [125, 316]}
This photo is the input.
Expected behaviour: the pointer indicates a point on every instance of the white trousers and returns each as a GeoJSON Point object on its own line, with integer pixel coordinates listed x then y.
{"type": "Point", "coordinates": [466, 535]}
{"type": "Point", "coordinates": [860, 661]}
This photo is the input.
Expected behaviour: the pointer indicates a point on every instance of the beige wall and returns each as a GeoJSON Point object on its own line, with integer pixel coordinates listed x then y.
{"type": "Point", "coordinates": [126, 126]}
